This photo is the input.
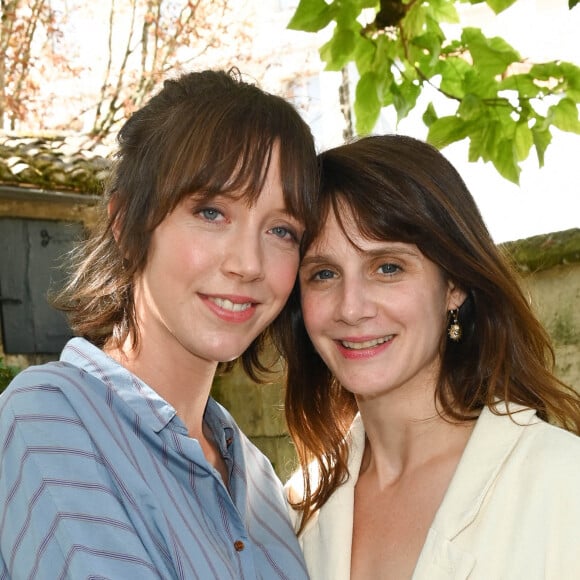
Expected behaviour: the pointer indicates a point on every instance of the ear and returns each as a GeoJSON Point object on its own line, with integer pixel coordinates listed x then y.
{"type": "Point", "coordinates": [455, 295]}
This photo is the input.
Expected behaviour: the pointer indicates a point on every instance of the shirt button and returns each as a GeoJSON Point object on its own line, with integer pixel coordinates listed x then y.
{"type": "Point", "coordinates": [239, 545]}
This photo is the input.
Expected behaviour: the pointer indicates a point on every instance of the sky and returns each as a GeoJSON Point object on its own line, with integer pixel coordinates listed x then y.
{"type": "Point", "coordinates": [548, 198]}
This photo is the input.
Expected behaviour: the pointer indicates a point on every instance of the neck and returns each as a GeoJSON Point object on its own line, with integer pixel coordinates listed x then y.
{"type": "Point", "coordinates": [182, 380]}
{"type": "Point", "coordinates": [406, 432]}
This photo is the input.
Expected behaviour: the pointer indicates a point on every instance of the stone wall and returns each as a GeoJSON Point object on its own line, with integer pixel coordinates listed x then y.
{"type": "Point", "coordinates": [555, 294]}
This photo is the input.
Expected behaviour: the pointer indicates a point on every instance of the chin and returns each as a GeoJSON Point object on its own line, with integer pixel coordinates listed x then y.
{"type": "Point", "coordinates": [230, 355]}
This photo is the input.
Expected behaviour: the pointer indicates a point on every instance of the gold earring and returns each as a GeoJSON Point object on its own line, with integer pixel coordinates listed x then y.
{"type": "Point", "coordinates": [454, 331]}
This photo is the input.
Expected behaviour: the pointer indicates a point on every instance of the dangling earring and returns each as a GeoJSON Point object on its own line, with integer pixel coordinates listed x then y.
{"type": "Point", "coordinates": [454, 330]}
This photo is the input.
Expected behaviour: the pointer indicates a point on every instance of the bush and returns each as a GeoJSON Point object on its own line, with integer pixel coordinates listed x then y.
{"type": "Point", "coordinates": [7, 373]}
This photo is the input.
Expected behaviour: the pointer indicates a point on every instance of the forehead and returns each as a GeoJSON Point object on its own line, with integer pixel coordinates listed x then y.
{"type": "Point", "coordinates": [341, 229]}
{"type": "Point", "coordinates": [340, 237]}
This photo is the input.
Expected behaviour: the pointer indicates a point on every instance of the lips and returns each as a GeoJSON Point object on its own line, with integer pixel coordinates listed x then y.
{"type": "Point", "coordinates": [235, 309]}
{"type": "Point", "coordinates": [360, 345]}
{"type": "Point", "coordinates": [229, 305]}
{"type": "Point", "coordinates": [363, 348]}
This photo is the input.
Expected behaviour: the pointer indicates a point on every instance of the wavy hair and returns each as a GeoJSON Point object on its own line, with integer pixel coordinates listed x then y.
{"type": "Point", "coordinates": [402, 189]}
{"type": "Point", "coordinates": [204, 133]}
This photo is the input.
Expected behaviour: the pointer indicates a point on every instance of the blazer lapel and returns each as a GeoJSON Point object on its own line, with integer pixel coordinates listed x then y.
{"type": "Point", "coordinates": [490, 444]}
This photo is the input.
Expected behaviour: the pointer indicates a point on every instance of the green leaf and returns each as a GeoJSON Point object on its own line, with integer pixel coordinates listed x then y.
{"type": "Point", "coordinates": [484, 135]}
{"type": "Point", "coordinates": [542, 138]}
{"type": "Point", "coordinates": [453, 71]}
{"type": "Point", "coordinates": [571, 74]}
{"type": "Point", "coordinates": [367, 105]}
{"type": "Point", "coordinates": [499, 5]}
{"type": "Point", "coordinates": [504, 160]}
{"type": "Point", "coordinates": [447, 130]}
{"type": "Point", "coordinates": [430, 115]}
{"type": "Point", "coordinates": [484, 87]}
{"type": "Point", "coordinates": [360, 4]}
{"type": "Point", "coordinates": [387, 50]}
{"type": "Point", "coordinates": [564, 115]}
{"type": "Point", "coordinates": [343, 45]}
{"type": "Point", "coordinates": [471, 108]}
{"type": "Point", "coordinates": [572, 3]}
{"type": "Point", "coordinates": [523, 84]}
{"type": "Point", "coordinates": [337, 52]}
{"type": "Point", "coordinates": [311, 16]}
{"type": "Point", "coordinates": [427, 49]}
{"type": "Point", "coordinates": [346, 14]}
{"type": "Point", "coordinates": [443, 11]}
{"type": "Point", "coordinates": [523, 141]}
{"type": "Point", "coordinates": [364, 54]}
{"type": "Point", "coordinates": [404, 97]}
{"type": "Point", "coordinates": [546, 70]}
{"type": "Point", "coordinates": [491, 56]}
{"type": "Point", "coordinates": [414, 21]}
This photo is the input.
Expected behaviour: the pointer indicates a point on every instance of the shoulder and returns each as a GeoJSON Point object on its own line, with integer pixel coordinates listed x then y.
{"type": "Point", "coordinates": [546, 445]}
{"type": "Point", "coordinates": [37, 384]}
{"type": "Point", "coordinates": [44, 406]}
{"type": "Point", "coordinates": [539, 459]}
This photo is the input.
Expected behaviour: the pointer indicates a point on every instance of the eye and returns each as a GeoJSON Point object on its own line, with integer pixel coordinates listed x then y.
{"type": "Point", "coordinates": [211, 214]}
{"type": "Point", "coordinates": [323, 275]}
{"type": "Point", "coordinates": [284, 233]}
{"type": "Point", "coordinates": [389, 268]}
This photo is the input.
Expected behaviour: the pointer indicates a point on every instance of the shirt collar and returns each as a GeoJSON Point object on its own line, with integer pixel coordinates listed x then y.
{"type": "Point", "coordinates": [146, 403]}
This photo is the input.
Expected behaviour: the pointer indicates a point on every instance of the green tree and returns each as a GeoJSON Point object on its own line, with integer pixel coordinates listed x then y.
{"type": "Point", "coordinates": [504, 105]}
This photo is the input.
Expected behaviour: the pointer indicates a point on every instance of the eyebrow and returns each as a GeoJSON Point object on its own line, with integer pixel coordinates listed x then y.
{"type": "Point", "coordinates": [374, 253]}
{"type": "Point", "coordinates": [208, 198]}
{"type": "Point", "coordinates": [317, 259]}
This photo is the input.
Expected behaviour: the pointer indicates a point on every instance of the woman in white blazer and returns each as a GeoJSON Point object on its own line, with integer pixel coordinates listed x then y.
{"type": "Point", "coordinates": [434, 440]}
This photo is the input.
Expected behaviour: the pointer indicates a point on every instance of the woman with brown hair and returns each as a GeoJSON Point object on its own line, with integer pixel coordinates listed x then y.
{"type": "Point", "coordinates": [116, 462]}
{"type": "Point", "coordinates": [420, 392]}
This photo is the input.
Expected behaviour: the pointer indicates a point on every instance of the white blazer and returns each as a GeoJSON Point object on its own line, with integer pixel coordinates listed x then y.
{"type": "Point", "coordinates": [511, 512]}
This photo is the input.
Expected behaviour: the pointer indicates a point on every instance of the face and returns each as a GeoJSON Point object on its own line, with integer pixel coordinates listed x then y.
{"type": "Point", "coordinates": [377, 314]}
{"type": "Point", "coordinates": [218, 273]}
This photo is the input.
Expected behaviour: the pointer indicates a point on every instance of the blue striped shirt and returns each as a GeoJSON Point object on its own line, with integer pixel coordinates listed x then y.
{"type": "Point", "coordinates": [99, 479]}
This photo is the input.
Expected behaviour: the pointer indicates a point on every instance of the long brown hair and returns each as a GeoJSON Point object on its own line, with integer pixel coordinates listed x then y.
{"type": "Point", "coordinates": [402, 189]}
{"type": "Point", "coordinates": [204, 133]}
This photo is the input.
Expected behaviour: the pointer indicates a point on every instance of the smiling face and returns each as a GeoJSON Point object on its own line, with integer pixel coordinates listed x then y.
{"type": "Point", "coordinates": [376, 311]}
{"type": "Point", "coordinates": [217, 273]}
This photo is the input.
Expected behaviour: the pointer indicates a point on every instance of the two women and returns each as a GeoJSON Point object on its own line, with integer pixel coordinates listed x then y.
{"type": "Point", "coordinates": [115, 460]}
{"type": "Point", "coordinates": [420, 386]}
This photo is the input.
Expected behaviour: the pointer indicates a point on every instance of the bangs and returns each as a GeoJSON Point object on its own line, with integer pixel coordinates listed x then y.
{"type": "Point", "coordinates": [231, 153]}
{"type": "Point", "coordinates": [355, 201]}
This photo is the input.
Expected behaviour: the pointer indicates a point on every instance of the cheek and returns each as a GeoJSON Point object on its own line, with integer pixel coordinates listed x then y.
{"type": "Point", "coordinates": [434, 312]}
{"type": "Point", "coordinates": [312, 310]}
{"type": "Point", "coordinates": [282, 273]}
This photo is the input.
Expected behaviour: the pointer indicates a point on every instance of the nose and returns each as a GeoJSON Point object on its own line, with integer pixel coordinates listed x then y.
{"type": "Point", "coordinates": [244, 258]}
{"type": "Point", "coordinates": [355, 303]}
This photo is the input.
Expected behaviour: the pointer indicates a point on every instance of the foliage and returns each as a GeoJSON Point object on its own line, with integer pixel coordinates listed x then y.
{"type": "Point", "coordinates": [27, 27]}
{"type": "Point", "coordinates": [7, 373]}
{"type": "Point", "coordinates": [504, 105]}
{"type": "Point", "coordinates": [116, 54]}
